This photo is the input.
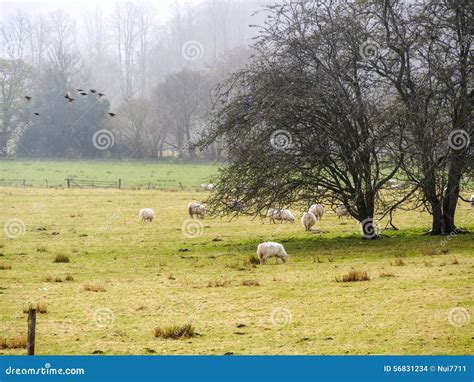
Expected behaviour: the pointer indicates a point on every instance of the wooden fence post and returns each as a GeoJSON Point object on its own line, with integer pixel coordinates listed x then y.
{"type": "Point", "coordinates": [46, 183]}
{"type": "Point", "coordinates": [24, 183]}
{"type": "Point", "coordinates": [120, 183]}
{"type": "Point", "coordinates": [68, 183]}
{"type": "Point", "coordinates": [30, 346]}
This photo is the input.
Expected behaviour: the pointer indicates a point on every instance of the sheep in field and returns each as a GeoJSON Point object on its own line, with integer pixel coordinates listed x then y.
{"type": "Point", "coordinates": [308, 220]}
{"type": "Point", "coordinates": [208, 187]}
{"type": "Point", "coordinates": [281, 214]}
{"type": "Point", "coordinates": [196, 209]}
{"type": "Point", "coordinates": [317, 210]}
{"type": "Point", "coordinates": [146, 215]}
{"type": "Point", "coordinates": [271, 249]}
{"type": "Point", "coordinates": [342, 211]}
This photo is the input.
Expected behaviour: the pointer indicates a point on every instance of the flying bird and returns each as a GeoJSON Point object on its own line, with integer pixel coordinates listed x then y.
{"type": "Point", "coordinates": [36, 113]}
{"type": "Point", "coordinates": [100, 94]}
{"type": "Point", "coordinates": [80, 90]}
{"type": "Point", "coordinates": [28, 98]}
{"type": "Point", "coordinates": [112, 114]}
{"type": "Point", "coordinates": [83, 93]}
{"type": "Point", "coordinates": [68, 97]}
{"type": "Point", "coordinates": [93, 91]}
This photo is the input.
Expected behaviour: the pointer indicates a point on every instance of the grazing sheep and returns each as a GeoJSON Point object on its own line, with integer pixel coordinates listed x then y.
{"type": "Point", "coordinates": [208, 186]}
{"type": "Point", "coordinates": [317, 210]}
{"type": "Point", "coordinates": [308, 220]}
{"type": "Point", "coordinates": [146, 215]}
{"type": "Point", "coordinates": [472, 201]}
{"type": "Point", "coordinates": [281, 214]}
{"type": "Point", "coordinates": [196, 209]}
{"type": "Point", "coordinates": [271, 249]}
{"type": "Point", "coordinates": [342, 211]}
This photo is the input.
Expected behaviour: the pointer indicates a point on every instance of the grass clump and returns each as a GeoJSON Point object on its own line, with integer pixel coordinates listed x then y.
{"type": "Point", "coordinates": [218, 284]}
{"type": "Point", "coordinates": [18, 342]}
{"type": "Point", "coordinates": [4, 267]}
{"type": "Point", "coordinates": [398, 262]}
{"type": "Point", "coordinates": [175, 331]}
{"type": "Point", "coordinates": [353, 276]}
{"type": "Point", "coordinates": [94, 287]}
{"type": "Point", "coordinates": [250, 283]}
{"type": "Point", "coordinates": [386, 274]}
{"type": "Point", "coordinates": [61, 259]}
{"type": "Point", "coordinates": [252, 260]}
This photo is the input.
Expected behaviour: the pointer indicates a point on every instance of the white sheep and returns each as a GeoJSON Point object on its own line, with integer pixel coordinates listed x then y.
{"type": "Point", "coordinates": [196, 209]}
{"type": "Point", "coordinates": [308, 220]}
{"type": "Point", "coordinates": [342, 211]}
{"type": "Point", "coordinates": [146, 215]}
{"type": "Point", "coordinates": [208, 186]}
{"type": "Point", "coordinates": [281, 214]}
{"type": "Point", "coordinates": [271, 249]}
{"type": "Point", "coordinates": [317, 210]}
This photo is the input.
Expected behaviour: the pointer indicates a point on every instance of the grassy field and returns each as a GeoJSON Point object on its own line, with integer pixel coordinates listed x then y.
{"type": "Point", "coordinates": [162, 175]}
{"type": "Point", "coordinates": [129, 277]}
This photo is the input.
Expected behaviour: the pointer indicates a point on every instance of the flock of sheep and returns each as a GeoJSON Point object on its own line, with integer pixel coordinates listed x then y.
{"type": "Point", "coordinates": [267, 249]}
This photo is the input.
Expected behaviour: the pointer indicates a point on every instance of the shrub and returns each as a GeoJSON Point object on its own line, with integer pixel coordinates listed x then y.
{"type": "Point", "coordinates": [353, 276]}
{"type": "Point", "coordinates": [61, 259]}
{"type": "Point", "coordinates": [175, 331]}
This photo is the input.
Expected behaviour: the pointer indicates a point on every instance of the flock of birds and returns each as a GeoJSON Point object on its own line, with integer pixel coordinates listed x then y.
{"type": "Point", "coordinates": [70, 99]}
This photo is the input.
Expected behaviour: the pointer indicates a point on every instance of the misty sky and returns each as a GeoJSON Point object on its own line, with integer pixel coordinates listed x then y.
{"type": "Point", "coordinates": [77, 8]}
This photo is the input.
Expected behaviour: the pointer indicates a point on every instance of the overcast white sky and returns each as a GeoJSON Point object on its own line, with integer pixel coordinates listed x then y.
{"type": "Point", "coordinates": [77, 8]}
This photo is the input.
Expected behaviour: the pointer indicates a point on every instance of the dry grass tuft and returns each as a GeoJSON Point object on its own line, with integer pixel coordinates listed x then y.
{"type": "Point", "coordinates": [218, 284]}
{"type": "Point", "coordinates": [94, 287]}
{"type": "Point", "coordinates": [386, 274]}
{"type": "Point", "coordinates": [69, 278]}
{"type": "Point", "coordinates": [61, 259]}
{"type": "Point", "coordinates": [455, 261]}
{"type": "Point", "coordinates": [175, 331]}
{"type": "Point", "coordinates": [398, 263]}
{"type": "Point", "coordinates": [428, 263]}
{"type": "Point", "coordinates": [4, 267]}
{"type": "Point", "coordinates": [48, 279]}
{"type": "Point", "coordinates": [41, 249]}
{"type": "Point", "coordinates": [353, 276]}
{"type": "Point", "coordinates": [171, 277]}
{"type": "Point", "coordinates": [40, 308]}
{"type": "Point", "coordinates": [18, 342]}
{"type": "Point", "coordinates": [250, 283]}
{"type": "Point", "coordinates": [252, 260]}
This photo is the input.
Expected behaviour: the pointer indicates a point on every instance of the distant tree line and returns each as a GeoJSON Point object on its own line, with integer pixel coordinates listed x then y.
{"type": "Point", "coordinates": [157, 78]}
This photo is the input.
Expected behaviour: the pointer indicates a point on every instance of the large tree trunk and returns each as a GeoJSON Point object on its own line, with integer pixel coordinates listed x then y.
{"type": "Point", "coordinates": [437, 225]}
